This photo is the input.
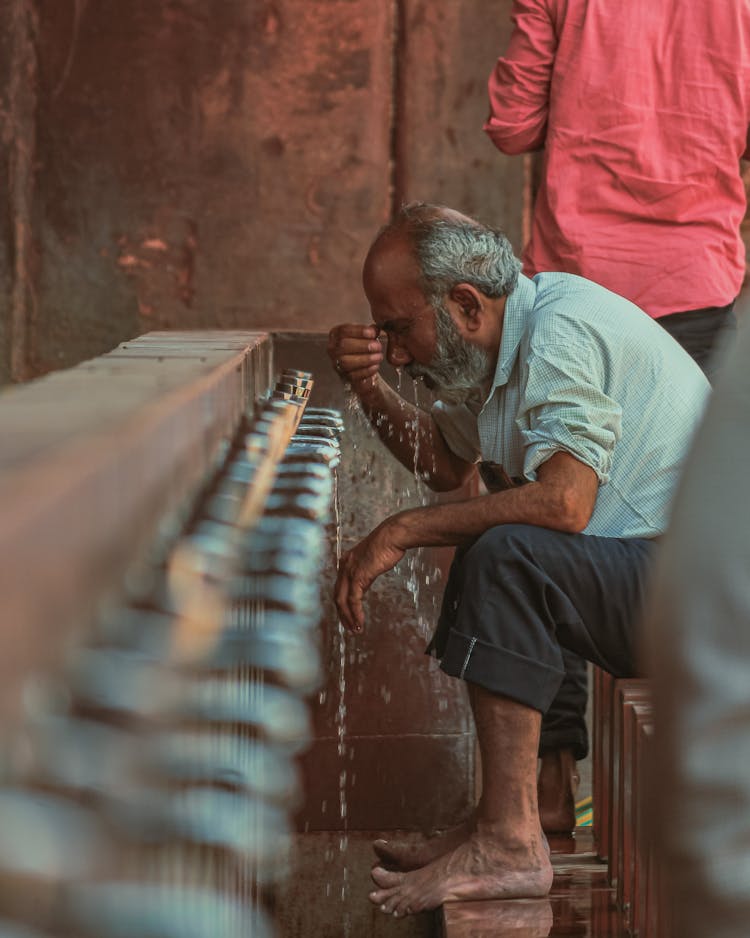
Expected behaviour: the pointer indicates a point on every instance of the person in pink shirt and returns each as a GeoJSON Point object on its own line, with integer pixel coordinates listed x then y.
{"type": "Point", "coordinates": [642, 111]}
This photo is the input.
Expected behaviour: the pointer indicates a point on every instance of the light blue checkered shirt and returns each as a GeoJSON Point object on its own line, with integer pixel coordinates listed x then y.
{"type": "Point", "coordinates": [584, 371]}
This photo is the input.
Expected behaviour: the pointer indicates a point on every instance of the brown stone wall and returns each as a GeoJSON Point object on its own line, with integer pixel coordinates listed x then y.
{"type": "Point", "coordinates": [207, 163]}
{"type": "Point", "coordinates": [224, 163]}
{"type": "Point", "coordinates": [6, 279]}
{"type": "Point", "coordinates": [18, 103]}
{"type": "Point", "coordinates": [446, 52]}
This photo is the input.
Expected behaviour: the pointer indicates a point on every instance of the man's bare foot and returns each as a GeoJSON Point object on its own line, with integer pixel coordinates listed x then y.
{"type": "Point", "coordinates": [557, 785]}
{"type": "Point", "coordinates": [406, 855]}
{"type": "Point", "coordinates": [480, 868]}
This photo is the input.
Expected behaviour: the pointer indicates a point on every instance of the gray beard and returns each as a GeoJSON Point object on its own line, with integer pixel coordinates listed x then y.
{"type": "Point", "coordinates": [458, 367]}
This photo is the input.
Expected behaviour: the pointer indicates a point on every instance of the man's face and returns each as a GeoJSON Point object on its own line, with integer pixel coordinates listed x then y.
{"type": "Point", "coordinates": [399, 309]}
{"type": "Point", "coordinates": [457, 367]}
{"type": "Point", "coordinates": [422, 340]}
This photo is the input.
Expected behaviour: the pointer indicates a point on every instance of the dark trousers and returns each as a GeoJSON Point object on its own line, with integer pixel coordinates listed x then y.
{"type": "Point", "coordinates": [701, 331]}
{"type": "Point", "coordinates": [564, 724]}
{"type": "Point", "coordinates": [525, 607]}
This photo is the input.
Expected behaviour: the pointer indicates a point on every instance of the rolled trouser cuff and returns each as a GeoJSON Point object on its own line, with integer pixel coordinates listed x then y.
{"type": "Point", "coordinates": [501, 671]}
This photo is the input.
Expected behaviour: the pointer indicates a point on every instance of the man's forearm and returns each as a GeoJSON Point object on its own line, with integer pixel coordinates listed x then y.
{"type": "Point", "coordinates": [412, 436]}
{"type": "Point", "coordinates": [559, 502]}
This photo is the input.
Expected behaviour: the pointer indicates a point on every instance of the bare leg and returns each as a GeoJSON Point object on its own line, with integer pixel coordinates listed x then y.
{"type": "Point", "coordinates": [505, 857]}
{"type": "Point", "coordinates": [557, 783]}
{"type": "Point", "coordinates": [557, 787]}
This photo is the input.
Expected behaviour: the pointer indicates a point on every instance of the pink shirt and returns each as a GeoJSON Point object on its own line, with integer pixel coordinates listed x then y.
{"type": "Point", "coordinates": [643, 108]}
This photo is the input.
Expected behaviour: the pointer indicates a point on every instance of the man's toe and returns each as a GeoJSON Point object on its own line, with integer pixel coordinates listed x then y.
{"type": "Point", "coordinates": [385, 899]}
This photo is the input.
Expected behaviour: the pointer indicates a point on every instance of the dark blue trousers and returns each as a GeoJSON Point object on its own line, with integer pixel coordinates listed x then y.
{"type": "Point", "coordinates": [524, 609]}
{"type": "Point", "coordinates": [701, 332]}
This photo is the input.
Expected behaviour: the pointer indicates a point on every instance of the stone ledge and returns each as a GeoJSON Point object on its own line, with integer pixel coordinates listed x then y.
{"type": "Point", "coordinates": [92, 459]}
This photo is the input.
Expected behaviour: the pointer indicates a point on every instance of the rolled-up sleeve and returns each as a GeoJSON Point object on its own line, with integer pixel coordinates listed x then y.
{"type": "Point", "coordinates": [519, 85]}
{"type": "Point", "coordinates": [564, 409]}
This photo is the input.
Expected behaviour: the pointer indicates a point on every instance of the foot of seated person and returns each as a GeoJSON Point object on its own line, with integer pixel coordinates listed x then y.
{"type": "Point", "coordinates": [482, 867]}
{"type": "Point", "coordinates": [557, 785]}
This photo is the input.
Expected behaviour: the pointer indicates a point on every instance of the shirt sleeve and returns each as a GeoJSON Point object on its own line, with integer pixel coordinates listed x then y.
{"type": "Point", "coordinates": [565, 409]}
{"type": "Point", "coordinates": [519, 85]}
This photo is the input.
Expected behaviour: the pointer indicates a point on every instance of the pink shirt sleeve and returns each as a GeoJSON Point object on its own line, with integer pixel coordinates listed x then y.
{"type": "Point", "coordinates": [519, 85]}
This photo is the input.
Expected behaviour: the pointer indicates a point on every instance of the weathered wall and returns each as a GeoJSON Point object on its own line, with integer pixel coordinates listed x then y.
{"type": "Point", "coordinates": [224, 163]}
{"type": "Point", "coordinates": [445, 54]}
{"type": "Point", "coordinates": [18, 113]}
{"type": "Point", "coordinates": [6, 279]}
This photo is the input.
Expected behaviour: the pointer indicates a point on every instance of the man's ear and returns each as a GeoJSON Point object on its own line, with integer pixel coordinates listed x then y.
{"type": "Point", "coordinates": [469, 302]}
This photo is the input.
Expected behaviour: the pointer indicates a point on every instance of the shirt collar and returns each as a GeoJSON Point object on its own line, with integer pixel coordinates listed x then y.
{"type": "Point", "coordinates": [518, 308]}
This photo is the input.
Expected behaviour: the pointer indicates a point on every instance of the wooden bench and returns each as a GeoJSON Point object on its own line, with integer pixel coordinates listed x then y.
{"type": "Point", "coordinates": [623, 740]}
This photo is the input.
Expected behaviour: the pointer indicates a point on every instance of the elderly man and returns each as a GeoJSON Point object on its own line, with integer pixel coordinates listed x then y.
{"type": "Point", "coordinates": [579, 410]}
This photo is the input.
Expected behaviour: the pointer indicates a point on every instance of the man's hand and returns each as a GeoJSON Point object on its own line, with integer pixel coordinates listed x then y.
{"type": "Point", "coordinates": [359, 568]}
{"type": "Point", "coordinates": [356, 355]}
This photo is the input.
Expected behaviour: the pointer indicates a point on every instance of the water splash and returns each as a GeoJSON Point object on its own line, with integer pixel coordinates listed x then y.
{"type": "Point", "coordinates": [414, 572]}
{"type": "Point", "coordinates": [337, 514]}
{"type": "Point", "coordinates": [419, 475]}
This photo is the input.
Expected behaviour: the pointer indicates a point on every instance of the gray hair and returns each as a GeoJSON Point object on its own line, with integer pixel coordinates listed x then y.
{"type": "Point", "coordinates": [451, 248]}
